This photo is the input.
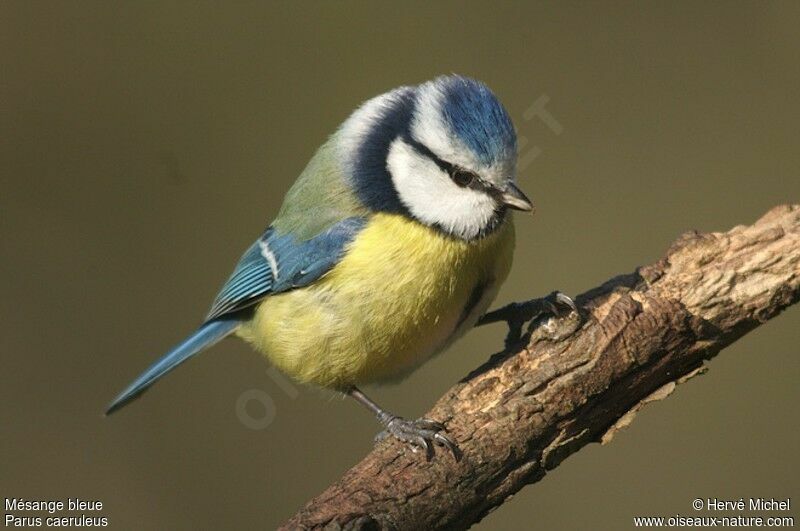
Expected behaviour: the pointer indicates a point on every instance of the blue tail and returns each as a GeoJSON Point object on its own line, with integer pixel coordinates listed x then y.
{"type": "Point", "coordinates": [207, 335]}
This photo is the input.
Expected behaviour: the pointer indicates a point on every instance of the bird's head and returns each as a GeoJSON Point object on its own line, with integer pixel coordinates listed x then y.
{"type": "Point", "coordinates": [443, 152]}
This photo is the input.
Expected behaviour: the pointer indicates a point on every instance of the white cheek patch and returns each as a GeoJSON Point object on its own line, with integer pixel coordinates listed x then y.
{"type": "Point", "coordinates": [433, 198]}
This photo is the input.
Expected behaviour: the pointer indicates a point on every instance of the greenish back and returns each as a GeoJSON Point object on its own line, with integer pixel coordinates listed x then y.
{"type": "Point", "coordinates": [319, 198]}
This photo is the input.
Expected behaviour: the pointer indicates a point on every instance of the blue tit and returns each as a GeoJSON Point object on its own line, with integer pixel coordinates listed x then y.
{"type": "Point", "coordinates": [390, 245]}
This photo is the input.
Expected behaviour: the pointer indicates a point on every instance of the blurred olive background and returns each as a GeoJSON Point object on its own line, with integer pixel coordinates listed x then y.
{"type": "Point", "coordinates": [144, 145]}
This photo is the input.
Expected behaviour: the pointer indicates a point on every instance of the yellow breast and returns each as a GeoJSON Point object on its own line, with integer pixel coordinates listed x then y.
{"type": "Point", "coordinates": [402, 293]}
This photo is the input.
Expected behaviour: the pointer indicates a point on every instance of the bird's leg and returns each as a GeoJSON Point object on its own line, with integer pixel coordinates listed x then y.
{"type": "Point", "coordinates": [420, 433]}
{"type": "Point", "coordinates": [517, 314]}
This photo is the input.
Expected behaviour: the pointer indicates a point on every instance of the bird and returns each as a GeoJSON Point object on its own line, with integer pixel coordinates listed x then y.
{"type": "Point", "coordinates": [390, 245]}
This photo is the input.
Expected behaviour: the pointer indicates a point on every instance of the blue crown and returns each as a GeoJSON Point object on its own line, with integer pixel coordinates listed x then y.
{"type": "Point", "coordinates": [475, 115]}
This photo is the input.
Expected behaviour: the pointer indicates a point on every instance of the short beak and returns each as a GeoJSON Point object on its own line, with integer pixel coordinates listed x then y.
{"type": "Point", "coordinates": [513, 197]}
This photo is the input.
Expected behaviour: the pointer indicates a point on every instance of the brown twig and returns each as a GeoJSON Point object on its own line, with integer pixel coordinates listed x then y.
{"type": "Point", "coordinates": [526, 409]}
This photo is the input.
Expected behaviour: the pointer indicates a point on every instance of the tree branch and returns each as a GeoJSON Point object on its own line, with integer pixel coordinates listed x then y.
{"type": "Point", "coordinates": [527, 409]}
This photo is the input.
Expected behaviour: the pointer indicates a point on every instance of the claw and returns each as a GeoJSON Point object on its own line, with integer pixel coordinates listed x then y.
{"type": "Point", "coordinates": [564, 300]}
{"type": "Point", "coordinates": [425, 443]}
{"type": "Point", "coordinates": [420, 434]}
{"type": "Point", "coordinates": [568, 318]}
{"type": "Point", "coordinates": [517, 314]}
{"type": "Point", "coordinates": [446, 441]}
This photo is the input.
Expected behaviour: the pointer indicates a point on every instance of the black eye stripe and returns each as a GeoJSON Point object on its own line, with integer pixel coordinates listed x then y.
{"type": "Point", "coordinates": [451, 169]}
{"type": "Point", "coordinates": [422, 149]}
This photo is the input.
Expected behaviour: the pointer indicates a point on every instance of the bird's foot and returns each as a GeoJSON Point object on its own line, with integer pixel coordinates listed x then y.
{"type": "Point", "coordinates": [421, 434]}
{"type": "Point", "coordinates": [538, 312]}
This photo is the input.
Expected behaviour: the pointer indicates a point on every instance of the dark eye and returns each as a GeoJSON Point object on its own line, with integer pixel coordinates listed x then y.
{"type": "Point", "coordinates": [462, 178]}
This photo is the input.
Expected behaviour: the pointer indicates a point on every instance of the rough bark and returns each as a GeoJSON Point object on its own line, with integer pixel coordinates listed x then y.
{"type": "Point", "coordinates": [526, 409]}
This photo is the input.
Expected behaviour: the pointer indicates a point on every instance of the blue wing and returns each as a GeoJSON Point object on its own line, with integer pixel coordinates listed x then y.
{"type": "Point", "coordinates": [274, 263]}
{"type": "Point", "coordinates": [279, 262]}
